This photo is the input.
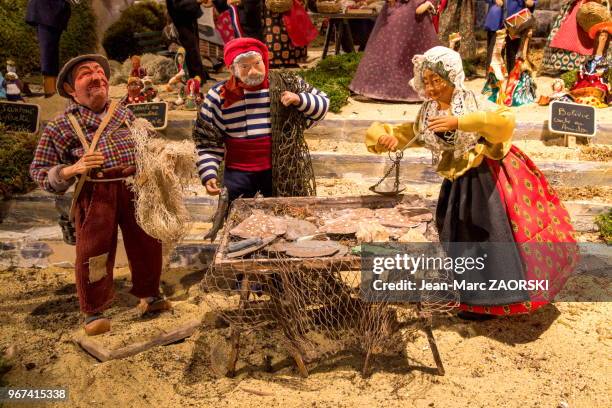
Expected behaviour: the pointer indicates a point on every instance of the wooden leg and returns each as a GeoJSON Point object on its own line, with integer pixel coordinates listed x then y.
{"type": "Point", "coordinates": [338, 36]}
{"type": "Point", "coordinates": [366, 364]}
{"type": "Point", "coordinates": [233, 357]}
{"type": "Point", "coordinates": [433, 346]}
{"type": "Point", "coordinates": [327, 38]}
{"type": "Point", "coordinates": [235, 332]}
{"type": "Point", "coordinates": [346, 31]}
{"type": "Point", "coordinates": [299, 362]}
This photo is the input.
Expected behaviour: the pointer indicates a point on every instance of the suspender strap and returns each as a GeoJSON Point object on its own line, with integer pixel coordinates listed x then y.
{"type": "Point", "coordinates": [89, 149]}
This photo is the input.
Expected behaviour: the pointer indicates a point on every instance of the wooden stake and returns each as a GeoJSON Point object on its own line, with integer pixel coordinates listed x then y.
{"type": "Point", "coordinates": [100, 352]}
{"type": "Point", "coordinates": [569, 141]}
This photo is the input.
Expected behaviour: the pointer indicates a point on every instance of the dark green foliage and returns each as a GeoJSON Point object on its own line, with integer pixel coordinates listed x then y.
{"type": "Point", "coordinates": [333, 76]}
{"type": "Point", "coordinates": [143, 17]}
{"type": "Point", "coordinates": [19, 41]}
{"type": "Point", "coordinates": [16, 154]}
{"type": "Point", "coordinates": [570, 78]}
{"type": "Point", "coordinates": [604, 222]}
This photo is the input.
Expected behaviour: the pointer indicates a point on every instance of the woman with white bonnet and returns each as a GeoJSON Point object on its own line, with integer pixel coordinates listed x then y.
{"type": "Point", "coordinates": [491, 192]}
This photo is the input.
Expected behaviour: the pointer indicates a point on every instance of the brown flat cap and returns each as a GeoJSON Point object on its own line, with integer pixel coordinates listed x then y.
{"type": "Point", "coordinates": [67, 69]}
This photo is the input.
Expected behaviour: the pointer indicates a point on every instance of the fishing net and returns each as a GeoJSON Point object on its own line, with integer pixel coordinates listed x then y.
{"type": "Point", "coordinates": [314, 302]}
{"type": "Point", "coordinates": [165, 169]}
{"type": "Point", "coordinates": [292, 172]}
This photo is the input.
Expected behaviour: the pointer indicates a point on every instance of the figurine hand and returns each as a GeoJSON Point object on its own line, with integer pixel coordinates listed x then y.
{"type": "Point", "coordinates": [85, 163]}
{"type": "Point", "coordinates": [443, 123]}
{"type": "Point", "coordinates": [500, 3]}
{"type": "Point", "coordinates": [529, 3]}
{"type": "Point", "coordinates": [212, 188]}
{"type": "Point", "coordinates": [388, 142]}
{"type": "Point", "coordinates": [289, 98]}
{"type": "Point", "coordinates": [391, 3]}
{"type": "Point", "coordinates": [206, 3]}
{"type": "Point", "coordinates": [234, 2]}
{"type": "Point", "coordinates": [423, 8]}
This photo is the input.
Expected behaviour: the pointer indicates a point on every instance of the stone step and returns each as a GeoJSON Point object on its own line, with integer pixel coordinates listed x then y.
{"type": "Point", "coordinates": [418, 169]}
{"type": "Point", "coordinates": [353, 130]}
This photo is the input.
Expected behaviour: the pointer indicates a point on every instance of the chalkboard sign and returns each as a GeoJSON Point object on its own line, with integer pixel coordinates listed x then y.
{"type": "Point", "coordinates": [20, 117]}
{"type": "Point", "coordinates": [154, 112]}
{"type": "Point", "coordinates": [572, 119]}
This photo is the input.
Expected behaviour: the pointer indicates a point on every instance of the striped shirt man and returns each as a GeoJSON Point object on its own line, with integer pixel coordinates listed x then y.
{"type": "Point", "coordinates": [245, 127]}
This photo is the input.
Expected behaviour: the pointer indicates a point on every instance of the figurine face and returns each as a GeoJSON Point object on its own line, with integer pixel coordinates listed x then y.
{"type": "Point", "coordinates": [134, 88]}
{"type": "Point", "coordinates": [135, 61]}
{"type": "Point", "coordinates": [250, 70]}
{"type": "Point", "coordinates": [437, 88]}
{"type": "Point", "coordinates": [558, 86]}
{"type": "Point", "coordinates": [90, 86]}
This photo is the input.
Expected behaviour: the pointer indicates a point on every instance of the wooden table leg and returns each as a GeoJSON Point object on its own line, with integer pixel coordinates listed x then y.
{"type": "Point", "coordinates": [327, 38]}
{"type": "Point", "coordinates": [299, 362]}
{"type": "Point", "coordinates": [338, 36]}
{"type": "Point", "coordinates": [235, 332]}
{"type": "Point", "coordinates": [427, 323]}
{"type": "Point", "coordinates": [432, 345]}
{"type": "Point", "coordinates": [346, 31]}
{"type": "Point", "coordinates": [233, 357]}
{"type": "Point", "coordinates": [366, 364]}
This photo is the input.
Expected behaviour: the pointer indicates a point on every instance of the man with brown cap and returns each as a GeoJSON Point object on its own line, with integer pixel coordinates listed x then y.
{"type": "Point", "coordinates": [91, 141]}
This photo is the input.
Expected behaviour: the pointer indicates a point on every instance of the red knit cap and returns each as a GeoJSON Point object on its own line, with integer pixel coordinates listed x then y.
{"type": "Point", "coordinates": [239, 46]}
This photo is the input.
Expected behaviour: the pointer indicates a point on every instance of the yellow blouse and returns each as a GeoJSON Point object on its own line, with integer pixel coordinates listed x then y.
{"type": "Point", "coordinates": [496, 128]}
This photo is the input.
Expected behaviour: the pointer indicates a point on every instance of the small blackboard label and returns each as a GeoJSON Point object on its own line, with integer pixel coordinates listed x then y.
{"type": "Point", "coordinates": [572, 119]}
{"type": "Point", "coordinates": [154, 112]}
{"type": "Point", "coordinates": [20, 117]}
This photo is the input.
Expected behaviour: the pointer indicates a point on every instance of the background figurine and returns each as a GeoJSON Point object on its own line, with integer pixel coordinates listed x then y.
{"type": "Point", "coordinates": [496, 72]}
{"type": "Point", "coordinates": [50, 18]}
{"type": "Point", "coordinates": [134, 89]}
{"type": "Point", "coordinates": [521, 87]}
{"type": "Point", "coordinates": [458, 16]}
{"type": "Point", "coordinates": [193, 96]}
{"type": "Point", "coordinates": [149, 90]}
{"type": "Point", "coordinates": [498, 11]}
{"type": "Point", "coordinates": [10, 66]}
{"type": "Point", "coordinates": [402, 30]}
{"type": "Point", "coordinates": [559, 93]}
{"type": "Point", "coordinates": [12, 86]}
{"type": "Point", "coordinates": [138, 70]}
{"type": "Point", "coordinates": [181, 74]}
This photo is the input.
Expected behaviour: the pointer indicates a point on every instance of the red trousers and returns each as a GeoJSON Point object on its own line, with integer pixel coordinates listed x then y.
{"type": "Point", "coordinates": [100, 209]}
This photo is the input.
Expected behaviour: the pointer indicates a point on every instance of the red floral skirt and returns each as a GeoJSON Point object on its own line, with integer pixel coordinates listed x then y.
{"type": "Point", "coordinates": [541, 227]}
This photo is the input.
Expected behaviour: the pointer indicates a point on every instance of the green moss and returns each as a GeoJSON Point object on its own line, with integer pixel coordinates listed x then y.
{"type": "Point", "coordinates": [604, 222]}
{"type": "Point", "coordinates": [570, 78]}
{"type": "Point", "coordinates": [333, 76]}
{"type": "Point", "coordinates": [16, 154]}
{"type": "Point", "coordinates": [143, 17]}
{"type": "Point", "coordinates": [19, 41]}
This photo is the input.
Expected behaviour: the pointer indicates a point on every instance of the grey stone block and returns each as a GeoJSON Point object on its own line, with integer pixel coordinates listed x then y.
{"type": "Point", "coordinates": [36, 250]}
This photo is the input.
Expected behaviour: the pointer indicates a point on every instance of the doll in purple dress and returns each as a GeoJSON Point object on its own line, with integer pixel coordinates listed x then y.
{"type": "Point", "coordinates": [403, 29]}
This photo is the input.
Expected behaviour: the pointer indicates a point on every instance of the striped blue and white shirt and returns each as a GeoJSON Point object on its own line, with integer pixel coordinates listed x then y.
{"type": "Point", "coordinates": [246, 129]}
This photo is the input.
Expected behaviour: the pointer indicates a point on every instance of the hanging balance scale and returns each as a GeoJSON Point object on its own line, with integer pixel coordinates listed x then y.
{"type": "Point", "coordinates": [395, 165]}
{"type": "Point", "coordinates": [395, 158]}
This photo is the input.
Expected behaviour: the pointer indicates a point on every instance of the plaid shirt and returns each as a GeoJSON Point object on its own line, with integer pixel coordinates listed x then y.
{"type": "Point", "coordinates": [59, 143]}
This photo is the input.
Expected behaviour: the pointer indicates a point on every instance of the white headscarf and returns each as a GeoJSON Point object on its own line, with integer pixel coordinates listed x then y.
{"type": "Point", "coordinates": [446, 63]}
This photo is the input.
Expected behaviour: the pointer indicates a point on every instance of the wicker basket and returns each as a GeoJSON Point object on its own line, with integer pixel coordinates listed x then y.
{"type": "Point", "coordinates": [592, 13]}
{"type": "Point", "coordinates": [279, 6]}
{"type": "Point", "coordinates": [329, 7]}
